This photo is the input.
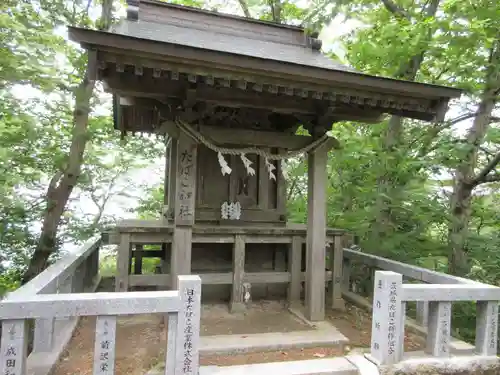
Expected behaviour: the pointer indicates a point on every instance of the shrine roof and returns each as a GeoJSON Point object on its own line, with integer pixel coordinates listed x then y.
{"type": "Point", "coordinates": [165, 50]}
{"type": "Point", "coordinates": [221, 41]}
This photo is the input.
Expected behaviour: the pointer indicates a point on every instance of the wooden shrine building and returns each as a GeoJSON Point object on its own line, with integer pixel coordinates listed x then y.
{"type": "Point", "coordinates": [230, 94]}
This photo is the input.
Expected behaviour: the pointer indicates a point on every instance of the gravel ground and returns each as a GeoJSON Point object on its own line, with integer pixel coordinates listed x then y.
{"type": "Point", "coordinates": [141, 339]}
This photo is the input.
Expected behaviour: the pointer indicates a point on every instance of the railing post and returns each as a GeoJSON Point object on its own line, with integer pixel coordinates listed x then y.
{"type": "Point", "coordinates": [43, 339]}
{"type": "Point", "coordinates": [439, 329]}
{"type": "Point", "coordinates": [337, 264]}
{"type": "Point", "coordinates": [66, 286]}
{"type": "Point", "coordinates": [14, 347]}
{"type": "Point", "coordinates": [78, 278]}
{"type": "Point", "coordinates": [346, 274]}
{"type": "Point", "coordinates": [92, 268]}
{"type": "Point", "coordinates": [423, 313]}
{"type": "Point", "coordinates": [386, 343]}
{"type": "Point", "coordinates": [188, 326]}
{"type": "Point", "coordinates": [487, 328]}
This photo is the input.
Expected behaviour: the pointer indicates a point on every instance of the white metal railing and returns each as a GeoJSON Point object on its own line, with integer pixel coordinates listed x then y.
{"type": "Point", "coordinates": [389, 312]}
{"type": "Point", "coordinates": [182, 306]}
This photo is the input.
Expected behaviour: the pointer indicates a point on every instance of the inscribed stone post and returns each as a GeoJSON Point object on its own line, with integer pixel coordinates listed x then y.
{"type": "Point", "coordinates": [188, 326]}
{"type": "Point", "coordinates": [13, 347]}
{"type": "Point", "coordinates": [105, 344]}
{"type": "Point", "coordinates": [386, 345]}
{"type": "Point", "coordinates": [439, 329]}
{"type": "Point", "coordinates": [487, 328]}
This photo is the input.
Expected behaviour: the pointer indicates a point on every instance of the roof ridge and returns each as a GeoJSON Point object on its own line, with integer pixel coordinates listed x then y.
{"type": "Point", "coordinates": [188, 8]}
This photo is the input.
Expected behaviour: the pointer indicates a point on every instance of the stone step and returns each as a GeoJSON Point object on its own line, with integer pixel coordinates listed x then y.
{"type": "Point", "coordinates": [348, 365]}
{"type": "Point", "coordinates": [260, 342]}
{"type": "Point", "coordinates": [355, 365]}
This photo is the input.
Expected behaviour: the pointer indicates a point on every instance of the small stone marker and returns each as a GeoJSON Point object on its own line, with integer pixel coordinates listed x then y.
{"type": "Point", "coordinates": [386, 345]}
{"type": "Point", "coordinates": [439, 329]}
{"type": "Point", "coordinates": [487, 328]}
{"type": "Point", "coordinates": [14, 347]}
{"type": "Point", "coordinates": [104, 348]}
{"type": "Point", "coordinates": [188, 326]}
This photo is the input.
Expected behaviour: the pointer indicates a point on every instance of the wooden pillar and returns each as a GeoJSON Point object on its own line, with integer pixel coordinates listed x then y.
{"type": "Point", "coordinates": [337, 265]}
{"type": "Point", "coordinates": [281, 188]}
{"type": "Point", "coordinates": [138, 259]}
{"type": "Point", "coordinates": [171, 183]}
{"type": "Point", "coordinates": [316, 234]}
{"type": "Point", "coordinates": [184, 203]}
{"type": "Point", "coordinates": [295, 269]}
{"type": "Point", "coordinates": [237, 304]}
{"type": "Point", "coordinates": [263, 195]}
{"type": "Point", "coordinates": [123, 261]}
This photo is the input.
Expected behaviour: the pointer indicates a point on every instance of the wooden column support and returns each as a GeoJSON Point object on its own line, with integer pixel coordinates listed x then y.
{"type": "Point", "coordinates": [184, 207]}
{"type": "Point", "coordinates": [123, 262]}
{"type": "Point", "coordinates": [316, 233]}
{"type": "Point", "coordinates": [237, 302]}
{"type": "Point", "coordinates": [172, 176]}
{"type": "Point", "coordinates": [295, 269]}
{"type": "Point", "coordinates": [138, 259]}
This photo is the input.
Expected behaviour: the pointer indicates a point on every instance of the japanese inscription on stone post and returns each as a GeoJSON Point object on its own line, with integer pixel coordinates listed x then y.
{"type": "Point", "coordinates": [104, 348]}
{"type": "Point", "coordinates": [444, 324]}
{"type": "Point", "coordinates": [493, 334]}
{"type": "Point", "coordinates": [186, 180]}
{"type": "Point", "coordinates": [13, 354]}
{"type": "Point", "coordinates": [387, 315]}
{"type": "Point", "coordinates": [188, 326]}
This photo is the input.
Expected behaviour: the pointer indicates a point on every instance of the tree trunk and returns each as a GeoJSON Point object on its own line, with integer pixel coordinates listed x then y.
{"type": "Point", "coordinates": [62, 184]}
{"type": "Point", "coordinates": [465, 181]}
{"type": "Point", "coordinates": [393, 135]}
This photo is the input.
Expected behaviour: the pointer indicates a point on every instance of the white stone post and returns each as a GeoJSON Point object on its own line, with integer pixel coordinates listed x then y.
{"type": "Point", "coordinates": [14, 347]}
{"type": "Point", "coordinates": [43, 338]}
{"type": "Point", "coordinates": [104, 345]}
{"type": "Point", "coordinates": [487, 328]}
{"type": "Point", "coordinates": [439, 329]}
{"type": "Point", "coordinates": [423, 313]}
{"type": "Point", "coordinates": [386, 343]}
{"type": "Point", "coordinates": [188, 326]}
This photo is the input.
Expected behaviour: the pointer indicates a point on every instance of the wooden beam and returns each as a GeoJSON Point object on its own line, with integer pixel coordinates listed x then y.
{"type": "Point", "coordinates": [258, 138]}
{"type": "Point", "coordinates": [163, 88]}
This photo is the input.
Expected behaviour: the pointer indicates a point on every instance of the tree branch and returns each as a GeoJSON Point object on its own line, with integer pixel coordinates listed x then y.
{"type": "Point", "coordinates": [244, 7]}
{"type": "Point", "coordinates": [484, 176]}
{"type": "Point", "coordinates": [394, 9]}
